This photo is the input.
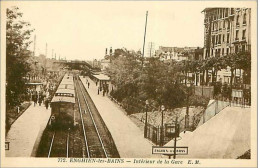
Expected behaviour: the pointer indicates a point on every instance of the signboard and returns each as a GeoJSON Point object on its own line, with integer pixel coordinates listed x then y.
{"type": "Point", "coordinates": [169, 150]}
{"type": "Point", "coordinates": [237, 93]}
{"type": "Point", "coordinates": [171, 131]}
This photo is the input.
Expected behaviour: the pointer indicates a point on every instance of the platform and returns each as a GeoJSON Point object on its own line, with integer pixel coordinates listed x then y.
{"type": "Point", "coordinates": [224, 136]}
{"type": "Point", "coordinates": [129, 139]}
{"type": "Point", "coordinates": [25, 133]}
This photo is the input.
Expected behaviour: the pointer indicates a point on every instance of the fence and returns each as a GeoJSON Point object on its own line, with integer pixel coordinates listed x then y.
{"type": "Point", "coordinates": [154, 133]}
{"type": "Point", "coordinates": [206, 91]}
{"type": "Point", "coordinates": [213, 109]}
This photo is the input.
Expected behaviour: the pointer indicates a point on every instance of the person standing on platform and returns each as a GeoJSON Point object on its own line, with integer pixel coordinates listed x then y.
{"type": "Point", "coordinates": [34, 97]}
{"type": "Point", "coordinates": [104, 91]}
{"type": "Point", "coordinates": [47, 103]}
{"type": "Point", "coordinates": [88, 84]}
{"type": "Point", "coordinates": [40, 98]}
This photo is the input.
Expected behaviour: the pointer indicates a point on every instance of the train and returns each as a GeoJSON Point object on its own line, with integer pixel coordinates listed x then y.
{"type": "Point", "coordinates": [63, 104]}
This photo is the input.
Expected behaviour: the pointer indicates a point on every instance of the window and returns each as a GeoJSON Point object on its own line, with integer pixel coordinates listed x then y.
{"type": "Point", "coordinates": [219, 39]}
{"type": "Point", "coordinates": [237, 31]}
{"type": "Point", "coordinates": [227, 38]}
{"type": "Point", "coordinates": [228, 25]}
{"type": "Point", "coordinates": [244, 35]}
{"type": "Point", "coordinates": [243, 48]}
{"type": "Point", "coordinates": [223, 37]}
{"type": "Point", "coordinates": [244, 18]}
{"type": "Point", "coordinates": [224, 24]}
{"type": "Point", "coordinates": [232, 11]}
{"type": "Point", "coordinates": [236, 49]}
{"type": "Point", "coordinates": [213, 40]}
{"type": "Point", "coordinates": [226, 12]}
{"type": "Point", "coordinates": [223, 51]}
{"type": "Point", "coordinates": [237, 20]}
{"type": "Point", "coordinates": [227, 51]}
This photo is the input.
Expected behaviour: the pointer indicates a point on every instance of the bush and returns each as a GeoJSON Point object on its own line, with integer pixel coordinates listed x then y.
{"type": "Point", "coordinates": [195, 100]}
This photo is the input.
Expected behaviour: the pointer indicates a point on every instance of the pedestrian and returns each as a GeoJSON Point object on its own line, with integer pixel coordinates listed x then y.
{"type": "Point", "coordinates": [47, 103]}
{"type": "Point", "coordinates": [98, 91]}
{"type": "Point", "coordinates": [88, 84]}
{"type": "Point", "coordinates": [104, 92]}
{"type": "Point", "coordinates": [35, 98]}
{"type": "Point", "coordinates": [40, 98]}
{"type": "Point", "coordinates": [96, 83]}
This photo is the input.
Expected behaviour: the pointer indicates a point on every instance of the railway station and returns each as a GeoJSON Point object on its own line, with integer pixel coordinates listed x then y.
{"type": "Point", "coordinates": [92, 100]}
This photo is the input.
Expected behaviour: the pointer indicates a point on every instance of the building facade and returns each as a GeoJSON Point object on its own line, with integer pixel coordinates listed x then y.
{"type": "Point", "coordinates": [226, 31]}
{"type": "Point", "coordinates": [179, 53]}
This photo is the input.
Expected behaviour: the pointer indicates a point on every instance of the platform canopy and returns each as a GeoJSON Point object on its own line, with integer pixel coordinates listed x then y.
{"type": "Point", "coordinates": [102, 77]}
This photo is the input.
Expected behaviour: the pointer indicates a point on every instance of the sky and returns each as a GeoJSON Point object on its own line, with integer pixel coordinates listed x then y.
{"type": "Point", "coordinates": [82, 30]}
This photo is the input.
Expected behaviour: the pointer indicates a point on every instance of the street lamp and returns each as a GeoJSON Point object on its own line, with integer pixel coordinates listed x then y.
{"type": "Point", "coordinates": [145, 127]}
{"type": "Point", "coordinates": [189, 92]}
{"type": "Point", "coordinates": [162, 109]}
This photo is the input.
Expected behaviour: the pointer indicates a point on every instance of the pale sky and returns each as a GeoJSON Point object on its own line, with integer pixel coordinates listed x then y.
{"type": "Point", "coordinates": [83, 29]}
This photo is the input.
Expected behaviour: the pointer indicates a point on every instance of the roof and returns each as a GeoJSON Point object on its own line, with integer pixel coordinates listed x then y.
{"type": "Point", "coordinates": [66, 86]}
{"type": "Point", "coordinates": [67, 82]}
{"type": "Point", "coordinates": [63, 99]}
{"type": "Point", "coordinates": [226, 135]}
{"type": "Point", "coordinates": [60, 90]}
{"type": "Point", "coordinates": [102, 77]}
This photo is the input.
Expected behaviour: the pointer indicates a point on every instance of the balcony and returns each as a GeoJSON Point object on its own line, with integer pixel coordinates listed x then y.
{"type": "Point", "coordinates": [237, 39]}
{"type": "Point", "coordinates": [244, 23]}
{"type": "Point", "coordinates": [237, 25]}
{"type": "Point", "coordinates": [243, 38]}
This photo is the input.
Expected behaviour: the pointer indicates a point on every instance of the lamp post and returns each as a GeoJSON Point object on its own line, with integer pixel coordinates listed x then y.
{"type": "Point", "coordinates": [162, 109]}
{"type": "Point", "coordinates": [145, 127]}
{"type": "Point", "coordinates": [189, 92]}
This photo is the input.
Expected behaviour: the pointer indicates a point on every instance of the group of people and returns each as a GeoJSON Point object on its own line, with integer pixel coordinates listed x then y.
{"type": "Point", "coordinates": [41, 97]}
{"type": "Point", "coordinates": [42, 94]}
{"type": "Point", "coordinates": [104, 88]}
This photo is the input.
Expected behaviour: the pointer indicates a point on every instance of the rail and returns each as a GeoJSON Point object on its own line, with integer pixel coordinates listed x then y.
{"type": "Point", "coordinates": [99, 137]}
{"type": "Point", "coordinates": [83, 127]}
{"type": "Point", "coordinates": [93, 121]}
{"type": "Point", "coordinates": [51, 145]}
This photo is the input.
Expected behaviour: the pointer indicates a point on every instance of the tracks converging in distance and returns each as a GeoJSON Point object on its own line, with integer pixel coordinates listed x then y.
{"type": "Point", "coordinates": [98, 142]}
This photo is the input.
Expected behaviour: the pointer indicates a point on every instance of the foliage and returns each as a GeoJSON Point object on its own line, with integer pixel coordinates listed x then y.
{"type": "Point", "coordinates": [160, 82]}
{"type": "Point", "coordinates": [196, 101]}
{"type": "Point", "coordinates": [155, 81]}
{"type": "Point", "coordinates": [17, 42]}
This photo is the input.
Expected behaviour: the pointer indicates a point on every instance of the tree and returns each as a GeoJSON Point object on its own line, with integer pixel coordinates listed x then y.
{"type": "Point", "coordinates": [17, 42]}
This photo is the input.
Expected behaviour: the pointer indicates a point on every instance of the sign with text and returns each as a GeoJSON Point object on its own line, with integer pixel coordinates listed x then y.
{"type": "Point", "coordinates": [169, 150]}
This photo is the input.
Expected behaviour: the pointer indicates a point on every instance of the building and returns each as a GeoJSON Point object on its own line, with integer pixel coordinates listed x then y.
{"type": "Point", "coordinates": [226, 31]}
{"type": "Point", "coordinates": [179, 54]}
{"type": "Point", "coordinates": [107, 59]}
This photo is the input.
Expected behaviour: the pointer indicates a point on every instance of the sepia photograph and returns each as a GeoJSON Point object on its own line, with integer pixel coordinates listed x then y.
{"type": "Point", "coordinates": [127, 83]}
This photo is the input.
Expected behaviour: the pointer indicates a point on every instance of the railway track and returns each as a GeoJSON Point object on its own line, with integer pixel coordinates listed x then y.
{"type": "Point", "coordinates": [57, 147]}
{"type": "Point", "coordinates": [98, 141]}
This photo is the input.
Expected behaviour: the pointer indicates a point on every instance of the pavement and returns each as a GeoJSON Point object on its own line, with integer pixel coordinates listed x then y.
{"type": "Point", "coordinates": [25, 133]}
{"type": "Point", "coordinates": [128, 138]}
{"type": "Point", "coordinates": [224, 136]}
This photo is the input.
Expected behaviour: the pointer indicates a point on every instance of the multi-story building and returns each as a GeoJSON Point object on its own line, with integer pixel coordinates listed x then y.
{"type": "Point", "coordinates": [226, 31]}
{"type": "Point", "coordinates": [179, 54]}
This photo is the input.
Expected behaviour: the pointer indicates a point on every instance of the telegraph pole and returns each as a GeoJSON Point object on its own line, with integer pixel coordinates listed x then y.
{"type": "Point", "coordinates": [144, 36]}
{"type": "Point", "coordinates": [34, 45]}
{"type": "Point", "coordinates": [175, 137]}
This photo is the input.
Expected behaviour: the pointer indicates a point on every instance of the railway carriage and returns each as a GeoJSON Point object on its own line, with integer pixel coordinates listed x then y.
{"type": "Point", "coordinates": [63, 103]}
